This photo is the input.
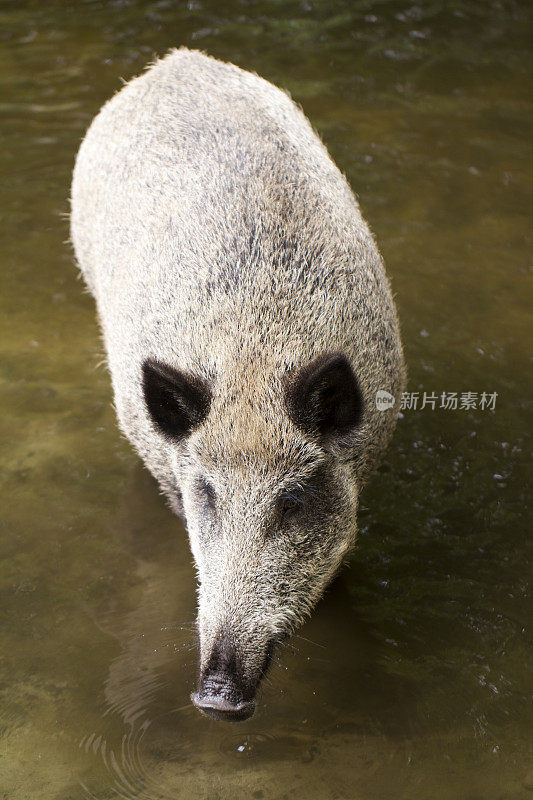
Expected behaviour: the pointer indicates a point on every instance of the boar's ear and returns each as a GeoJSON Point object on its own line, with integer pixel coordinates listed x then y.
{"type": "Point", "coordinates": [176, 400]}
{"type": "Point", "coordinates": [324, 395]}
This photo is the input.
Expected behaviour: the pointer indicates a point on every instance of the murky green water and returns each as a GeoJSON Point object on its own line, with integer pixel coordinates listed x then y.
{"type": "Point", "coordinates": [416, 682]}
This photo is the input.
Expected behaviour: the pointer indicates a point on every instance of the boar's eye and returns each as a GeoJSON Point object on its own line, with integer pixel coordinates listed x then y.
{"type": "Point", "coordinates": [206, 492]}
{"type": "Point", "coordinates": [289, 504]}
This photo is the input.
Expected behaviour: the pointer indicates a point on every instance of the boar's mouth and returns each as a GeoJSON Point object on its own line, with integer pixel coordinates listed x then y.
{"type": "Point", "coordinates": [223, 692]}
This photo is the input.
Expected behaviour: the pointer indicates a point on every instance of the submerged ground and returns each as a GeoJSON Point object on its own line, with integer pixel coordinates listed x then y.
{"type": "Point", "coordinates": [414, 677]}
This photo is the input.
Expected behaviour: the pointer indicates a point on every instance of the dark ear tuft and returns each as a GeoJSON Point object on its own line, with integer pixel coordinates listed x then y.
{"type": "Point", "coordinates": [324, 395]}
{"type": "Point", "coordinates": [176, 400]}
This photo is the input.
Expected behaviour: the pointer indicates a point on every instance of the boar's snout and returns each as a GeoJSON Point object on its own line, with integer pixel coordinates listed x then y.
{"type": "Point", "coordinates": [224, 692]}
{"type": "Point", "coordinates": [220, 697]}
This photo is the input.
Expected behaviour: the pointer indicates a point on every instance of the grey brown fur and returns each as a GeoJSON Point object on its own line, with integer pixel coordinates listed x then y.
{"type": "Point", "coordinates": [218, 238]}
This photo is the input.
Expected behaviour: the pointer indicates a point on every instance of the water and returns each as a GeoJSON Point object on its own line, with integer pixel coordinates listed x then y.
{"type": "Point", "coordinates": [414, 677]}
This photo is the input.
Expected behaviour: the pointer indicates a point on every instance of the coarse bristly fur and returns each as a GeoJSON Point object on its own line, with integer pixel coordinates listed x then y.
{"type": "Point", "coordinates": [248, 324]}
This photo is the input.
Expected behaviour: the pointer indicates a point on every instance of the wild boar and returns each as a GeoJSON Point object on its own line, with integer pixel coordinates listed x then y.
{"type": "Point", "coordinates": [249, 325]}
